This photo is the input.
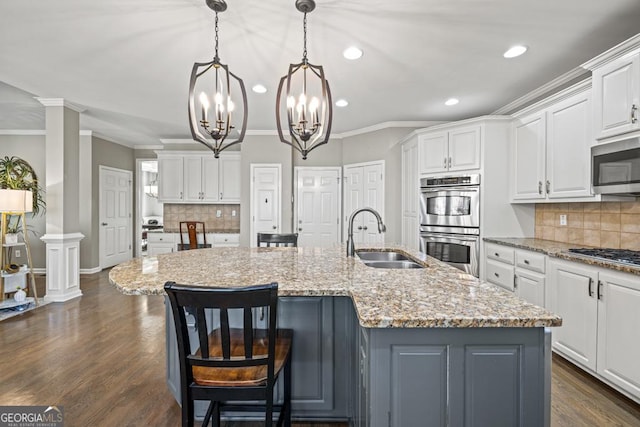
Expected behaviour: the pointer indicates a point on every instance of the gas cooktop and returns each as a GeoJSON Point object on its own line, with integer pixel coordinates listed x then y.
{"type": "Point", "coordinates": [616, 255]}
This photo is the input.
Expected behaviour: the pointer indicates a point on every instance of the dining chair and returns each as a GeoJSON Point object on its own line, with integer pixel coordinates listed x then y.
{"type": "Point", "coordinates": [232, 364]}
{"type": "Point", "coordinates": [191, 229]}
{"type": "Point", "coordinates": [278, 239]}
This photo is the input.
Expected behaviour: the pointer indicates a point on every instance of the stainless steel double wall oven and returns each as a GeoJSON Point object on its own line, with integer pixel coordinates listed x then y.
{"type": "Point", "coordinates": [450, 220]}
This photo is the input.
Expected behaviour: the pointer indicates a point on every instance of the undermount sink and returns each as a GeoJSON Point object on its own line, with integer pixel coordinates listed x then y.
{"type": "Point", "coordinates": [387, 259]}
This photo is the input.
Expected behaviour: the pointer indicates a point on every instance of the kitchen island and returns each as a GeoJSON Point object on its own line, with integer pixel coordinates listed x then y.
{"type": "Point", "coordinates": [430, 346]}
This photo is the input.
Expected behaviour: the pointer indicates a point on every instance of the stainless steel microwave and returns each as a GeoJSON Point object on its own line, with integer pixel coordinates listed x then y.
{"type": "Point", "coordinates": [616, 167]}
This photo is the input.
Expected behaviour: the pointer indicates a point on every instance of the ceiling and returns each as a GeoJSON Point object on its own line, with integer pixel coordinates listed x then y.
{"type": "Point", "coordinates": [127, 63]}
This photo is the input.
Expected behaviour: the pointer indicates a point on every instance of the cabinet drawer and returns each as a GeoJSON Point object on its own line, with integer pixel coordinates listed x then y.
{"type": "Point", "coordinates": [226, 239]}
{"type": "Point", "coordinates": [500, 274]}
{"type": "Point", "coordinates": [160, 238]}
{"type": "Point", "coordinates": [530, 260]}
{"type": "Point", "coordinates": [499, 253]}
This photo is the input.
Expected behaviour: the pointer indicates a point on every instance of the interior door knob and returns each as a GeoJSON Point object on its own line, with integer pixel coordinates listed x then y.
{"type": "Point", "coordinates": [274, 227]}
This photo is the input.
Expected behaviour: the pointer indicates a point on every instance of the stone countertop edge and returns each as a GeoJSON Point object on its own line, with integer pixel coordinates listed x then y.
{"type": "Point", "coordinates": [211, 231]}
{"type": "Point", "coordinates": [561, 250]}
{"type": "Point", "coordinates": [437, 296]}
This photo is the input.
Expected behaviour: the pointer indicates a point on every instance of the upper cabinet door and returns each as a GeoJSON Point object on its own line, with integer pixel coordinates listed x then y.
{"type": "Point", "coordinates": [569, 137]}
{"type": "Point", "coordinates": [229, 178]}
{"type": "Point", "coordinates": [209, 177]}
{"type": "Point", "coordinates": [529, 141]}
{"type": "Point", "coordinates": [192, 178]}
{"type": "Point", "coordinates": [616, 88]}
{"type": "Point", "coordinates": [170, 176]}
{"type": "Point", "coordinates": [434, 152]}
{"type": "Point", "coordinates": [464, 149]}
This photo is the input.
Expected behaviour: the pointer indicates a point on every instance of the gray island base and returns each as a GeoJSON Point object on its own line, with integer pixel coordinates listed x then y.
{"type": "Point", "coordinates": [372, 349]}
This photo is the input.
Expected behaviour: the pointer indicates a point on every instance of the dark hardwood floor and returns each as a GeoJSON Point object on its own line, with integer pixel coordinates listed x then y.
{"type": "Point", "coordinates": [102, 358]}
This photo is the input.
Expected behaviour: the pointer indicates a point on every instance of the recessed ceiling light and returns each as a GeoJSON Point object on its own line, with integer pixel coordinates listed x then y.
{"type": "Point", "coordinates": [451, 101]}
{"type": "Point", "coordinates": [342, 103]}
{"type": "Point", "coordinates": [352, 53]}
{"type": "Point", "coordinates": [259, 89]}
{"type": "Point", "coordinates": [515, 51]}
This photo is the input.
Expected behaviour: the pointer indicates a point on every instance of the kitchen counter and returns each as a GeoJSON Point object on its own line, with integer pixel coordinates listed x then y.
{"type": "Point", "coordinates": [209, 230]}
{"type": "Point", "coordinates": [418, 345]}
{"type": "Point", "coordinates": [435, 296]}
{"type": "Point", "coordinates": [561, 250]}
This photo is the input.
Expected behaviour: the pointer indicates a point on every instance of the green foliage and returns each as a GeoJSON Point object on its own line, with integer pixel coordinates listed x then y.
{"type": "Point", "coordinates": [17, 174]}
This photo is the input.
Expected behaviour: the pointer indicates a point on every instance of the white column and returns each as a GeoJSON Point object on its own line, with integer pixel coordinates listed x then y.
{"type": "Point", "coordinates": [62, 145]}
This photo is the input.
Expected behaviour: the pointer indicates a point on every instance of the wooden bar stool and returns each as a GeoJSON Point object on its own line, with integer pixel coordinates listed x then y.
{"type": "Point", "coordinates": [232, 363]}
{"type": "Point", "coordinates": [278, 239]}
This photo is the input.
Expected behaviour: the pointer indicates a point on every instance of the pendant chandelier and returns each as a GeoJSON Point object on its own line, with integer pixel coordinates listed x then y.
{"type": "Point", "coordinates": [305, 99]}
{"type": "Point", "coordinates": [213, 84]}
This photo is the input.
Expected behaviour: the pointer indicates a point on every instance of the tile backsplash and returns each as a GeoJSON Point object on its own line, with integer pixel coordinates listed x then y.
{"type": "Point", "coordinates": [227, 222]}
{"type": "Point", "coordinates": [607, 224]}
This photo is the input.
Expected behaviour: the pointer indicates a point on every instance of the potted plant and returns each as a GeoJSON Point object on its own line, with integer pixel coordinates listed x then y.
{"type": "Point", "coordinates": [18, 174]}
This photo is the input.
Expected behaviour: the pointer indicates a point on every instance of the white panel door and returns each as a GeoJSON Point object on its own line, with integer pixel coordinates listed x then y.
{"type": "Point", "coordinates": [192, 178]}
{"type": "Point", "coordinates": [434, 153]}
{"type": "Point", "coordinates": [210, 166]}
{"type": "Point", "coordinates": [115, 216]}
{"type": "Point", "coordinates": [373, 197]}
{"type": "Point", "coordinates": [618, 332]}
{"type": "Point", "coordinates": [573, 297]}
{"type": "Point", "coordinates": [229, 180]}
{"type": "Point", "coordinates": [318, 206]}
{"type": "Point", "coordinates": [529, 141]}
{"type": "Point", "coordinates": [353, 199]}
{"type": "Point", "coordinates": [464, 149]}
{"type": "Point", "coordinates": [569, 138]}
{"type": "Point", "coordinates": [265, 200]}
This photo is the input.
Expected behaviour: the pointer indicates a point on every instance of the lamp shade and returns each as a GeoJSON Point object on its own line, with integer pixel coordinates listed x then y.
{"type": "Point", "coordinates": [16, 200]}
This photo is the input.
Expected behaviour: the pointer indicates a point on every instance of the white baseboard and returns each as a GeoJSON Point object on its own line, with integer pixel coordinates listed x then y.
{"type": "Point", "coordinates": [93, 270]}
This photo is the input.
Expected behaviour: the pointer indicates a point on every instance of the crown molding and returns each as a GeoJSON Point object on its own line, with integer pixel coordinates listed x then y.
{"type": "Point", "coordinates": [386, 125]}
{"type": "Point", "coordinates": [628, 46]}
{"type": "Point", "coordinates": [556, 97]}
{"type": "Point", "coordinates": [541, 91]}
{"type": "Point", "coordinates": [59, 102]}
{"type": "Point", "coordinates": [25, 132]}
{"type": "Point", "coordinates": [178, 141]}
{"type": "Point", "coordinates": [149, 147]}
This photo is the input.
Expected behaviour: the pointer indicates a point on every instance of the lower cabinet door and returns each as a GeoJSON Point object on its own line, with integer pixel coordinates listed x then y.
{"type": "Point", "coordinates": [618, 331]}
{"type": "Point", "coordinates": [530, 286]}
{"type": "Point", "coordinates": [573, 289]}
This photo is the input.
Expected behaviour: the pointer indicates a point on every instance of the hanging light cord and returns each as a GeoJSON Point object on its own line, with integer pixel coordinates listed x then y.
{"type": "Point", "coordinates": [304, 51]}
{"type": "Point", "coordinates": [216, 58]}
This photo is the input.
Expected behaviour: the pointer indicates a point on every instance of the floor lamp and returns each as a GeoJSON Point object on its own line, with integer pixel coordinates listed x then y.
{"type": "Point", "coordinates": [17, 203]}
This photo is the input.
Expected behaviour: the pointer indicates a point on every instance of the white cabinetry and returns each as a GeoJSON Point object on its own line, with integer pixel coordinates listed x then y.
{"type": "Point", "coordinates": [551, 156]}
{"type": "Point", "coordinates": [517, 270]}
{"type": "Point", "coordinates": [410, 195]}
{"type": "Point", "coordinates": [229, 181]}
{"type": "Point", "coordinates": [364, 187]}
{"type": "Point", "coordinates": [198, 178]}
{"type": "Point", "coordinates": [600, 318]}
{"type": "Point", "coordinates": [161, 243]}
{"type": "Point", "coordinates": [453, 150]}
{"type": "Point", "coordinates": [616, 91]}
{"type": "Point", "coordinates": [170, 179]}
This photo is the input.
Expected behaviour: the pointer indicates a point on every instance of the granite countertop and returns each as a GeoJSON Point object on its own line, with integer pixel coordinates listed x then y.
{"type": "Point", "coordinates": [435, 296]}
{"type": "Point", "coordinates": [561, 250]}
{"type": "Point", "coordinates": [209, 231]}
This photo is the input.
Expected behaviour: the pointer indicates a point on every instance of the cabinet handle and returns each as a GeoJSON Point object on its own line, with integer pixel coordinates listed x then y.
{"type": "Point", "coordinates": [496, 274]}
{"type": "Point", "coordinates": [526, 261]}
{"type": "Point", "coordinates": [515, 284]}
{"type": "Point", "coordinates": [445, 163]}
{"type": "Point", "coordinates": [359, 227]}
{"type": "Point", "coordinates": [449, 162]}
{"type": "Point", "coordinates": [220, 196]}
{"type": "Point", "coordinates": [539, 187]}
{"type": "Point", "coordinates": [497, 254]}
{"type": "Point", "coordinates": [261, 313]}
{"type": "Point", "coordinates": [365, 228]}
{"type": "Point", "coordinates": [180, 195]}
{"type": "Point", "coordinates": [599, 289]}
{"type": "Point", "coordinates": [589, 288]}
{"type": "Point", "coordinates": [548, 187]}
{"type": "Point", "coordinates": [299, 229]}
{"type": "Point", "coordinates": [634, 108]}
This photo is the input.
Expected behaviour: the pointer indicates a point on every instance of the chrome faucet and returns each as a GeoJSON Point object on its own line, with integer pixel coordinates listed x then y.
{"type": "Point", "coordinates": [351, 250]}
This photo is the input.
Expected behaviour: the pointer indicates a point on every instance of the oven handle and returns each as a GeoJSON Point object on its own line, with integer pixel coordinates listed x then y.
{"type": "Point", "coordinates": [445, 189]}
{"type": "Point", "coordinates": [448, 237]}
